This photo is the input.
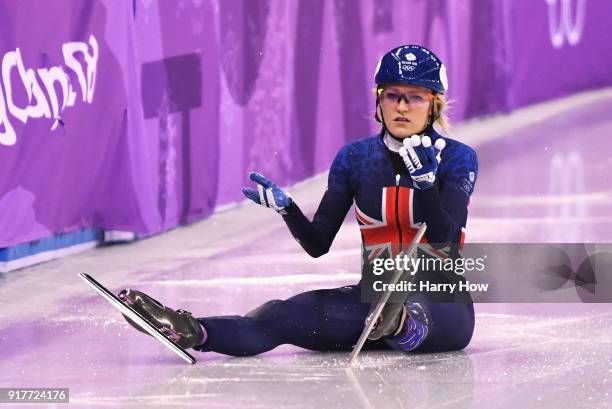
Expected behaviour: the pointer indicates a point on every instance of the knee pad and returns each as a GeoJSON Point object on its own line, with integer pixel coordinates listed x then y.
{"type": "Point", "coordinates": [268, 310]}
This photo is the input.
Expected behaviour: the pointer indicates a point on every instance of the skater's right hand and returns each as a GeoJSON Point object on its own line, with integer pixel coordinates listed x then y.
{"type": "Point", "coordinates": [267, 194]}
{"type": "Point", "coordinates": [422, 159]}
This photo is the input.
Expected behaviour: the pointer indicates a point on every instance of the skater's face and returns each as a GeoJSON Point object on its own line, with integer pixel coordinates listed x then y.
{"type": "Point", "coordinates": [405, 109]}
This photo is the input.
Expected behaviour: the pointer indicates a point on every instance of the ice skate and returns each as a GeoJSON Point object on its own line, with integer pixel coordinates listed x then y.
{"type": "Point", "coordinates": [179, 325]}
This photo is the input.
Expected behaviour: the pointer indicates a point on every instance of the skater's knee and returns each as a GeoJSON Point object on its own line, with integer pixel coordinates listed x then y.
{"type": "Point", "coordinates": [453, 330]}
{"type": "Point", "coordinates": [269, 310]}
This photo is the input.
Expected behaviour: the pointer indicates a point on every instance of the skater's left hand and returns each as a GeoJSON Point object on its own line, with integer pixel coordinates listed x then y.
{"type": "Point", "coordinates": [267, 194]}
{"type": "Point", "coordinates": [422, 159]}
{"type": "Point", "coordinates": [389, 321]}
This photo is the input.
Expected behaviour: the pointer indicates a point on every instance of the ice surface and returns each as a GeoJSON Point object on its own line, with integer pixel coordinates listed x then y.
{"type": "Point", "coordinates": [56, 332]}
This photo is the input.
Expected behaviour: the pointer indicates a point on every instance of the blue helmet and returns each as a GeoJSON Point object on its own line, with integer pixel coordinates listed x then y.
{"type": "Point", "coordinates": [413, 65]}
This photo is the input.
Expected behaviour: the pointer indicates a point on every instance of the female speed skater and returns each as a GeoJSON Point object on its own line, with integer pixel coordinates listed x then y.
{"type": "Point", "coordinates": [403, 176]}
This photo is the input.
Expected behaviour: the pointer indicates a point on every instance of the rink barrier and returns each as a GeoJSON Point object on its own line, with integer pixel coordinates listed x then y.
{"type": "Point", "coordinates": [48, 248]}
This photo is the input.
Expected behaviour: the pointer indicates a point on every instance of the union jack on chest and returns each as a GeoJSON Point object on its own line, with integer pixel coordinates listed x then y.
{"type": "Point", "coordinates": [396, 228]}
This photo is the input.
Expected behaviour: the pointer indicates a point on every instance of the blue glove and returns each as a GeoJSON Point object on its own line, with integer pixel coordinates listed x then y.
{"type": "Point", "coordinates": [414, 328]}
{"type": "Point", "coordinates": [422, 159]}
{"type": "Point", "coordinates": [267, 194]}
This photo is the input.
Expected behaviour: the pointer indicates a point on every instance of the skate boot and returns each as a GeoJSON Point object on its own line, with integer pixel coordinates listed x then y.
{"type": "Point", "coordinates": [179, 325]}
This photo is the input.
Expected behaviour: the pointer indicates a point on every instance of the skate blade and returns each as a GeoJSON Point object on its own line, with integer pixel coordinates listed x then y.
{"type": "Point", "coordinates": [137, 318]}
{"type": "Point", "coordinates": [372, 318]}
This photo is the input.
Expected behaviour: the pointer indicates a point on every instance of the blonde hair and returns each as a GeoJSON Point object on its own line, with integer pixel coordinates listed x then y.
{"type": "Point", "coordinates": [441, 107]}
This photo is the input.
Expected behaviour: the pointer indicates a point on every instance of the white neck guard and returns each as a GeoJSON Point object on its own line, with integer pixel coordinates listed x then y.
{"type": "Point", "coordinates": [393, 144]}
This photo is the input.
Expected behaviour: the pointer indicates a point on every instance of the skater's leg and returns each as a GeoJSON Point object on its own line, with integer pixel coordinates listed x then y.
{"type": "Point", "coordinates": [434, 327]}
{"type": "Point", "coordinates": [320, 320]}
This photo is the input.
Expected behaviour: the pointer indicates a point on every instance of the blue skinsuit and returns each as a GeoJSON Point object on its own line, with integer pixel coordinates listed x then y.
{"type": "Point", "coordinates": [388, 209]}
